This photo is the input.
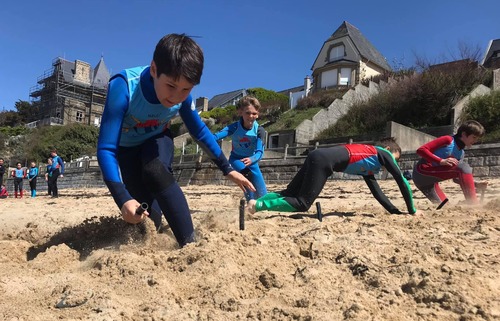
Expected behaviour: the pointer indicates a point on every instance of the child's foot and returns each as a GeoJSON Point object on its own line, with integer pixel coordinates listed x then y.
{"type": "Point", "coordinates": [251, 206]}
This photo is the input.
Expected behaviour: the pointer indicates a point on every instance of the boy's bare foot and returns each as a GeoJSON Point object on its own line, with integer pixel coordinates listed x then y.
{"type": "Point", "coordinates": [251, 206]}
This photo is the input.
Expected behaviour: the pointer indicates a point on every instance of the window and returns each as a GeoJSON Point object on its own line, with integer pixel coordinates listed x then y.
{"type": "Point", "coordinates": [274, 141]}
{"type": "Point", "coordinates": [97, 121]}
{"type": "Point", "coordinates": [337, 52]}
{"type": "Point", "coordinates": [345, 76]}
{"type": "Point", "coordinates": [79, 116]}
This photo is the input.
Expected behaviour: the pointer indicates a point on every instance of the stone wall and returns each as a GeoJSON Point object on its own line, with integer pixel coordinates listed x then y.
{"type": "Point", "coordinates": [484, 159]}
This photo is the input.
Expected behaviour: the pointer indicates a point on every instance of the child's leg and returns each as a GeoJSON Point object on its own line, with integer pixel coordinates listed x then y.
{"type": "Point", "coordinates": [257, 180]}
{"type": "Point", "coordinates": [156, 156]}
{"type": "Point", "coordinates": [320, 164]}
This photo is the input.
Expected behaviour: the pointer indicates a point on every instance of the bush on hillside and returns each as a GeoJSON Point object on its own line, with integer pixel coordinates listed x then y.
{"type": "Point", "coordinates": [486, 110]}
{"type": "Point", "coordinates": [322, 98]}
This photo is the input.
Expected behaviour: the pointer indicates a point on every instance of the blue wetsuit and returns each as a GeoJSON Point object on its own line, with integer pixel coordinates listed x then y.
{"type": "Point", "coordinates": [247, 143]}
{"type": "Point", "coordinates": [32, 175]}
{"type": "Point", "coordinates": [56, 169]}
{"type": "Point", "coordinates": [135, 141]}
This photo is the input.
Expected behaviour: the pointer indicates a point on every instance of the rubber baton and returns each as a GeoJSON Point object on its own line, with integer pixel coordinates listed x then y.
{"type": "Point", "coordinates": [141, 209]}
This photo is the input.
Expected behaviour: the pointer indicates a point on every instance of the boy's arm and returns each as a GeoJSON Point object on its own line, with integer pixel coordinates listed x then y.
{"type": "Point", "coordinates": [61, 163]}
{"type": "Point", "coordinates": [226, 131]}
{"type": "Point", "coordinates": [379, 195]}
{"type": "Point", "coordinates": [202, 135]}
{"type": "Point", "coordinates": [426, 151]}
{"type": "Point", "coordinates": [259, 147]}
{"type": "Point", "coordinates": [387, 160]}
{"type": "Point", "coordinates": [109, 138]}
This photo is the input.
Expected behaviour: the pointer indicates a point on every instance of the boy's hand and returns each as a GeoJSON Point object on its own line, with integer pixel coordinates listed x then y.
{"type": "Point", "coordinates": [241, 181]}
{"type": "Point", "coordinates": [128, 212]}
{"type": "Point", "coordinates": [450, 161]}
{"type": "Point", "coordinates": [246, 161]}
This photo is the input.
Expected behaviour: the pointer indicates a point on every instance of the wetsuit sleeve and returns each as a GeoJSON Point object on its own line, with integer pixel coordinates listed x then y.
{"type": "Point", "coordinates": [259, 147]}
{"type": "Point", "coordinates": [202, 136]}
{"type": "Point", "coordinates": [61, 163]}
{"type": "Point", "coordinates": [226, 131]}
{"type": "Point", "coordinates": [426, 151]}
{"type": "Point", "coordinates": [2, 170]}
{"type": "Point", "coordinates": [379, 195]}
{"type": "Point", "coordinates": [390, 164]}
{"type": "Point", "coordinates": [109, 138]}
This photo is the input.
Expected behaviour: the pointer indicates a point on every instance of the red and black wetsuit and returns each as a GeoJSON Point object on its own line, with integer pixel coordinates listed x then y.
{"type": "Point", "coordinates": [427, 173]}
{"type": "Point", "coordinates": [354, 159]}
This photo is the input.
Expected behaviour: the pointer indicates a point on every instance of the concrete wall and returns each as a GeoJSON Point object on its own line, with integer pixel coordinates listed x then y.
{"type": "Point", "coordinates": [409, 139]}
{"type": "Point", "coordinates": [484, 159]}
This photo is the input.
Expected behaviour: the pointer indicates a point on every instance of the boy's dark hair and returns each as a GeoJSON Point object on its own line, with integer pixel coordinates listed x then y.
{"type": "Point", "coordinates": [390, 144]}
{"type": "Point", "coordinates": [19, 163]}
{"type": "Point", "coordinates": [247, 101]}
{"type": "Point", "coordinates": [178, 55]}
{"type": "Point", "coordinates": [471, 127]}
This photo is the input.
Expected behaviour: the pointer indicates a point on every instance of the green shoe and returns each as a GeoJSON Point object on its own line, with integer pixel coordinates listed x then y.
{"type": "Point", "coordinates": [269, 196]}
{"type": "Point", "coordinates": [276, 205]}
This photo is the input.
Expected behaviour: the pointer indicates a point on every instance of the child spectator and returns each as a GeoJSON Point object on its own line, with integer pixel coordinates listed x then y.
{"type": "Point", "coordinates": [57, 170]}
{"type": "Point", "coordinates": [443, 159]}
{"type": "Point", "coordinates": [2, 170]}
{"type": "Point", "coordinates": [19, 174]}
{"type": "Point", "coordinates": [248, 139]}
{"type": "Point", "coordinates": [3, 192]}
{"type": "Point", "coordinates": [48, 174]}
{"type": "Point", "coordinates": [32, 176]}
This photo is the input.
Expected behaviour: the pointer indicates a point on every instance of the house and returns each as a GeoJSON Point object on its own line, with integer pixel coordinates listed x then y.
{"type": "Point", "coordinates": [492, 56]}
{"type": "Point", "coordinates": [71, 92]}
{"type": "Point", "coordinates": [230, 98]}
{"type": "Point", "coordinates": [345, 59]}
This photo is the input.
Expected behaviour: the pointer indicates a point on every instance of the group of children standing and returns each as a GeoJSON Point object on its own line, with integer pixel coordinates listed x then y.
{"type": "Point", "coordinates": [55, 169]}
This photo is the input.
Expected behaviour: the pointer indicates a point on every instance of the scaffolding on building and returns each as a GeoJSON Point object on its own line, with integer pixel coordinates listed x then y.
{"type": "Point", "coordinates": [70, 92]}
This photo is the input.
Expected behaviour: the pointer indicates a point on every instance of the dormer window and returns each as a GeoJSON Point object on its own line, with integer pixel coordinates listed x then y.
{"type": "Point", "coordinates": [336, 52]}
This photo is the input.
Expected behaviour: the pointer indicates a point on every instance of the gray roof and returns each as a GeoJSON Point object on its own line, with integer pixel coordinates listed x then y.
{"type": "Point", "coordinates": [293, 90]}
{"type": "Point", "coordinates": [101, 75]}
{"type": "Point", "coordinates": [222, 99]}
{"type": "Point", "coordinates": [365, 48]}
{"type": "Point", "coordinates": [494, 46]}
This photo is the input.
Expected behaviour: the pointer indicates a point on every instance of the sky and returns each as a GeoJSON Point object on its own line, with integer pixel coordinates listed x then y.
{"type": "Point", "coordinates": [258, 43]}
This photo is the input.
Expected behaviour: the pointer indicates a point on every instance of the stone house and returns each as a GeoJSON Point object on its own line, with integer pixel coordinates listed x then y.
{"type": "Point", "coordinates": [345, 59]}
{"type": "Point", "coordinates": [71, 92]}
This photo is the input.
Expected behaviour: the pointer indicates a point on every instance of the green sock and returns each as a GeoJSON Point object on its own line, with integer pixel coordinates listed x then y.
{"type": "Point", "coordinates": [269, 196]}
{"type": "Point", "coordinates": [277, 205]}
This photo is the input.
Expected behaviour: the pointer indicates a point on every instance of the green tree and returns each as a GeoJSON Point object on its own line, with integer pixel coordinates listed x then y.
{"type": "Point", "coordinates": [27, 111]}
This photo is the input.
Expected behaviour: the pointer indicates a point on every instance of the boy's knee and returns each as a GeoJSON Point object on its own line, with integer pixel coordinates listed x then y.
{"type": "Point", "coordinates": [156, 176]}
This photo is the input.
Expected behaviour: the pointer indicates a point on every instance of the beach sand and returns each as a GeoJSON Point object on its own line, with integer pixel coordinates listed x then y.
{"type": "Point", "coordinates": [74, 258]}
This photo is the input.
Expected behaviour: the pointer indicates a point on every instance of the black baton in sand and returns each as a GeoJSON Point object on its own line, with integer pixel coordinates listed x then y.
{"type": "Point", "coordinates": [442, 204]}
{"type": "Point", "coordinates": [141, 209]}
{"type": "Point", "coordinates": [318, 209]}
{"type": "Point", "coordinates": [242, 215]}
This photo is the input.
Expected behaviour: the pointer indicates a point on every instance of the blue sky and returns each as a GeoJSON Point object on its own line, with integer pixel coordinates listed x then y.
{"type": "Point", "coordinates": [258, 43]}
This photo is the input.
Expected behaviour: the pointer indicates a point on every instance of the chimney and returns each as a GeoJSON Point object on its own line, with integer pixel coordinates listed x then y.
{"type": "Point", "coordinates": [307, 85]}
{"type": "Point", "coordinates": [202, 103]}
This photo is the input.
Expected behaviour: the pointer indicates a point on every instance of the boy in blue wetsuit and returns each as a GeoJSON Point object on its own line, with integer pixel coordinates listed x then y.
{"type": "Point", "coordinates": [19, 174]}
{"type": "Point", "coordinates": [48, 174]}
{"type": "Point", "coordinates": [247, 144]}
{"type": "Point", "coordinates": [135, 147]}
{"type": "Point", "coordinates": [32, 175]}
{"type": "Point", "coordinates": [354, 159]}
{"type": "Point", "coordinates": [56, 170]}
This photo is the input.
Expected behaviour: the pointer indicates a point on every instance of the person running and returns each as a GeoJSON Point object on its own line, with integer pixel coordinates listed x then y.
{"type": "Point", "coordinates": [19, 174]}
{"type": "Point", "coordinates": [32, 176]}
{"type": "Point", "coordinates": [443, 159]}
{"type": "Point", "coordinates": [57, 170]}
{"type": "Point", "coordinates": [247, 144]}
{"type": "Point", "coordinates": [354, 159]}
{"type": "Point", "coordinates": [135, 147]}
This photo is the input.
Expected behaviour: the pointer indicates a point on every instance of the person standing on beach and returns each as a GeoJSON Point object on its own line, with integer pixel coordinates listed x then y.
{"type": "Point", "coordinates": [48, 174]}
{"type": "Point", "coordinates": [18, 174]}
{"type": "Point", "coordinates": [32, 176]}
{"type": "Point", "coordinates": [57, 170]}
{"type": "Point", "coordinates": [2, 170]}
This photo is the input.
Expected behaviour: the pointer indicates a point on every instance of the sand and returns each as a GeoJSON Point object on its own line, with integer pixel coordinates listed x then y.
{"type": "Point", "coordinates": [74, 258]}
